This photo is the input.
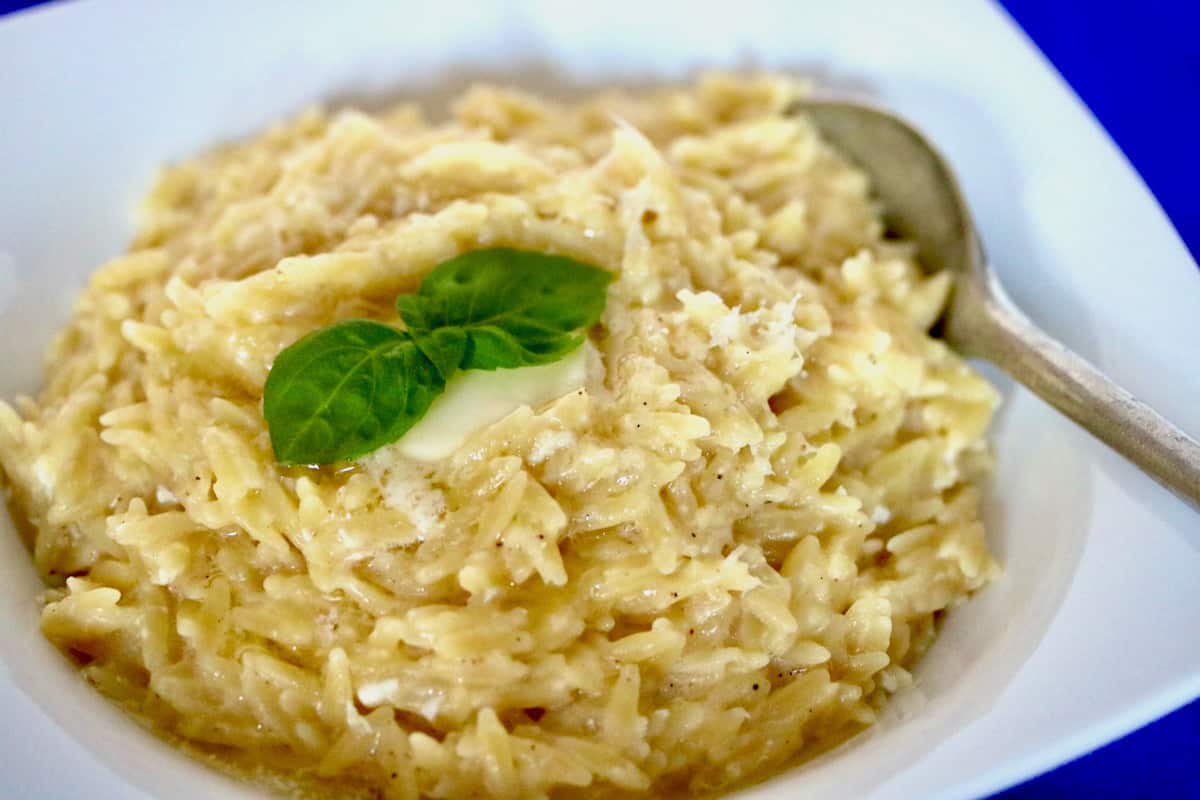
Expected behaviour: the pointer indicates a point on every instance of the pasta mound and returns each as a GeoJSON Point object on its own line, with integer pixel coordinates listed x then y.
{"type": "Point", "coordinates": [718, 556]}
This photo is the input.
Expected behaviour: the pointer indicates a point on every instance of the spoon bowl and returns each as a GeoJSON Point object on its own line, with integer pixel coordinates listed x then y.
{"type": "Point", "coordinates": [922, 203]}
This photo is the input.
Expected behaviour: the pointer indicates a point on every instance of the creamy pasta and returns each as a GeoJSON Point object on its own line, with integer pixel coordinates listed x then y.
{"type": "Point", "coordinates": [717, 555]}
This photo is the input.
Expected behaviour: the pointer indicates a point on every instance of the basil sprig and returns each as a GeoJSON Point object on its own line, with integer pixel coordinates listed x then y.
{"type": "Point", "coordinates": [343, 391]}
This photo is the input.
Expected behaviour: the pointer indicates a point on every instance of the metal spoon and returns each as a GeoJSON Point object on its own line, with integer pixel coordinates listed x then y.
{"type": "Point", "coordinates": [922, 203]}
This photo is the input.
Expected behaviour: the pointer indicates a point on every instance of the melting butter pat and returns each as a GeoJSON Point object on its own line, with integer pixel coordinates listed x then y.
{"type": "Point", "coordinates": [476, 398]}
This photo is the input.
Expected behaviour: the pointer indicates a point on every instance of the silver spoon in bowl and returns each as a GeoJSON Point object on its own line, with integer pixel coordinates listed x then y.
{"type": "Point", "coordinates": [922, 203]}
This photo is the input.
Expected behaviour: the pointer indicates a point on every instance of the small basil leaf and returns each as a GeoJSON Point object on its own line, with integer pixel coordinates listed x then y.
{"type": "Point", "coordinates": [415, 311]}
{"type": "Point", "coordinates": [445, 347]}
{"type": "Point", "coordinates": [517, 308]}
{"type": "Point", "coordinates": [344, 391]}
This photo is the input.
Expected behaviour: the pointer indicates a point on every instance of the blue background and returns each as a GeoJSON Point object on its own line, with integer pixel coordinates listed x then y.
{"type": "Point", "coordinates": [1137, 66]}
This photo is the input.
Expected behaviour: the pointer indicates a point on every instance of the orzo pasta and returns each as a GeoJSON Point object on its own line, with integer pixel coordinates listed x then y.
{"type": "Point", "coordinates": [720, 553]}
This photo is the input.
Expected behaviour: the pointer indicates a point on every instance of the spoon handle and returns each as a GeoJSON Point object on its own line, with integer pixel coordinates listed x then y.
{"type": "Point", "coordinates": [1076, 388]}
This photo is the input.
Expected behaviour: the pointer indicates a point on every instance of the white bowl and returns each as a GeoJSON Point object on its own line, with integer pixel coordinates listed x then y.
{"type": "Point", "coordinates": [1092, 629]}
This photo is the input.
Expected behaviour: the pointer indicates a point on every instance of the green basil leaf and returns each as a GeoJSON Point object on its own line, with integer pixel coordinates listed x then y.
{"type": "Point", "coordinates": [344, 391]}
{"type": "Point", "coordinates": [445, 347]}
{"type": "Point", "coordinates": [517, 308]}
